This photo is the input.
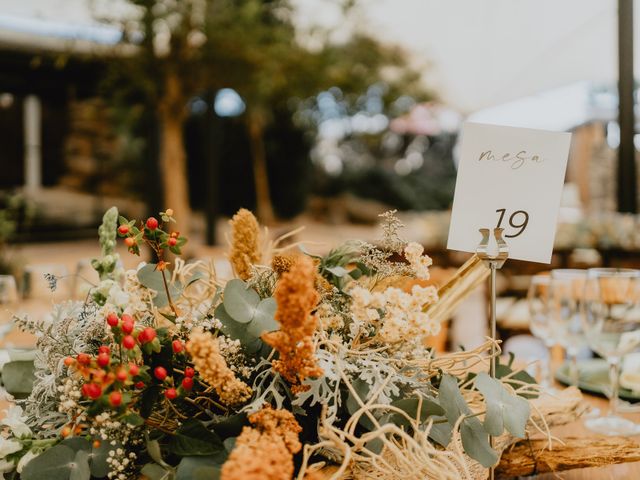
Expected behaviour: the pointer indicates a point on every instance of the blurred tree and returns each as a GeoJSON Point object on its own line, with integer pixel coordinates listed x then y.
{"type": "Point", "coordinates": [178, 49]}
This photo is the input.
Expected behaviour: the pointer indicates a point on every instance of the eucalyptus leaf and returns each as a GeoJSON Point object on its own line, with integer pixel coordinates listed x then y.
{"type": "Point", "coordinates": [504, 410]}
{"type": "Point", "coordinates": [151, 278]}
{"type": "Point", "coordinates": [475, 442]}
{"type": "Point", "coordinates": [54, 463]}
{"type": "Point", "coordinates": [428, 408]}
{"type": "Point", "coordinates": [231, 328]}
{"type": "Point", "coordinates": [375, 445]}
{"type": "Point", "coordinates": [451, 399]}
{"type": "Point", "coordinates": [441, 432]}
{"type": "Point", "coordinates": [240, 302]}
{"type": "Point", "coordinates": [18, 377]}
{"type": "Point", "coordinates": [198, 468]}
{"type": "Point", "coordinates": [153, 471]}
{"type": "Point", "coordinates": [194, 439]}
{"type": "Point", "coordinates": [80, 467]}
{"type": "Point", "coordinates": [263, 320]}
{"type": "Point", "coordinates": [153, 448]}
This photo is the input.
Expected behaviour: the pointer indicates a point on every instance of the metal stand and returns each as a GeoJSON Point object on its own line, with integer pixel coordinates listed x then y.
{"type": "Point", "coordinates": [493, 263]}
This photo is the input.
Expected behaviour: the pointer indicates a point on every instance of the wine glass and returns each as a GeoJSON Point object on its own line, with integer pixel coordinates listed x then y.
{"type": "Point", "coordinates": [612, 326]}
{"type": "Point", "coordinates": [565, 304]}
{"type": "Point", "coordinates": [540, 322]}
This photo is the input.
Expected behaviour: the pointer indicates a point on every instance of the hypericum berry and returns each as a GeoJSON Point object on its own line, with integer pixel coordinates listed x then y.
{"type": "Point", "coordinates": [69, 361]}
{"type": "Point", "coordinates": [172, 241]}
{"type": "Point", "coordinates": [103, 359]}
{"type": "Point", "coordinates": [160, 373]}
{"type": "Point", "coordinates": [187, 383]}
{"type": "Point", "coordinates": [83, 359]}
{"type": "Point", "coordinates": [189, 372]}
{"type": "Point", "coordinates": [177, 346]}
{"type": "Point", "coordinates": [147, 335]}
{"type": "Point", "coordinates": [127, 325]}
{"type": "Point", "coordinates": [152, 223]}
{"type": "Point", "coordinates": [85, 390]}
{"type": "Point", "coordinates": [133, 369]}
{"type": "Point", "coordinates": [122, 375]}
{"type": "Point", "coordinates": [171, 393]}
{"type": "Point", "coordinates": [128, 342]}
{"type": "Point", "coordinates": [112, 320]}
{"type": "Point", "coordinates": [104, 349]}
{"type": "Point", "coordinates": [115, 399]}
{"type": "Point", "coordinates": [139, 385]}
{"type": "Point", "coordinates": [123, 229]}
{"type": "Point", "coordinates": [129, 242]}
{"type": "Point", "coordinates": [94, 391]}
{"type": "Point", "coordinates": [65, 432]}
{"type": "Point", "coordinates": [96, 444]}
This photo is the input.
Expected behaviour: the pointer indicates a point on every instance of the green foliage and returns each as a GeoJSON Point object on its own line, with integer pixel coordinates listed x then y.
{"type": "Point", "coordinates": [475, 439]}
{"type": "Point", "coordinates": [245, 316]}
{"type": "Point", "coordinates": [198, 468]}
{"type": "Point", "coordinates": [18, 377]}
{"type": "Point", "coordinates": [333, 266]}
{"type": "Point", "coordinates": [106, 265]}
{"type": "Point", "coordinates": [194, 439]}
{"type": "Point", "coordinates": [151, 278]}
{"type": "Point", "coordinates": [504, 410]}
{"type": "Point", "coordinates": [58, 463]}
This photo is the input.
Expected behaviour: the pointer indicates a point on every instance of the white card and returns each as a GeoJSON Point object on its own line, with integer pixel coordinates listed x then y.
{"type": "Point", "coordinates": [511, 178]}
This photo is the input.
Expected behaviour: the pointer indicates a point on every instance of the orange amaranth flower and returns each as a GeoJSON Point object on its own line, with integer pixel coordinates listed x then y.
{"type": "Point", "coordinates": [296, 297]}
{"type": "Point", "coordinates": [245, 250]}
{"type": "Point", "coordinates": [213, 369]}
{"type": "Point", "coordinates": [264, 451]}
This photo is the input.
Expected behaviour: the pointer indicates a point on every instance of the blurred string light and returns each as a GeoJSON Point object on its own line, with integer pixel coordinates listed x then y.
{"type": "Point", "coordinates": [228, 103]}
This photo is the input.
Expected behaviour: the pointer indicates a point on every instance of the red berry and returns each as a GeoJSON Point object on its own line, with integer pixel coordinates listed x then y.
{"type": "Point", "coordinates": [69, 361]}
{"type": "Point", "coordinates": [115, 399]}
{"type": "Point", "coordinates": [189, 372]}
{"type": "Point", "coordinates": [170, 393]}
{"type": "Point", "coordinates": [94, 391]}
{"type": "Point", "coordinates": [133, 369]}
{"type": "Point", "coordinates": [122, 375]}
{"type": "Point", "coordinates": [112, 320]}
{"type": "Point", "coordinates": [85, 390]}
{"type": "Point", "coordinates": [172, 242]}
{"type": "Point", "coordinates": [128, 342]}
{"type": "Point", "coordinates": [127, 326]}
{"type": "Point", "coordinates": [177, 346]}
{"type": "Point", "coordinates": [160, 373]}
{"type": "Point", "coordinates": [104, 349]}
{"type": "Point", "coordinates": [147, 335]}
{"type": "Point", "coordinates": [103, 359]}
{"type": "Point", "coordinates": [140, 385]}
{"type": "Point", "coordinates": [83, 359]}
{"type": "Point", "coordinates": [129, 242]}
{"type": "Point", "coordinates": [152, 223]}
{"type": "Point", "coordinates": [187, 383]}
{"type": "Point", "coordinates": [123, 229]}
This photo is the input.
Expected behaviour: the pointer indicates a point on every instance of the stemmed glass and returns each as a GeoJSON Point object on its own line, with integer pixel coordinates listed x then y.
{"type": "Point", "coordinates": [540, 321]}
{"type": "Point", "coordinates": [565, 301]}
{"type": "Point", "coordinates": [612, 326]}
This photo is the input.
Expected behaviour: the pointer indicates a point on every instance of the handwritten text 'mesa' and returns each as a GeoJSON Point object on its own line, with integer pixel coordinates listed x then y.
{"type": "Point", "coordinates": [516, 160]}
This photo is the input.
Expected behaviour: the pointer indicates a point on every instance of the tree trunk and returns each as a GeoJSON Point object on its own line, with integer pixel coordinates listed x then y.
{"type": "Point", "coordinates": [264, 207]}
{"type": "Point", "coordinates": [173, 158]}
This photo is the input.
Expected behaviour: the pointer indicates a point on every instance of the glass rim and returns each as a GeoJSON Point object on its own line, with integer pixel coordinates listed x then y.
{"type": "Point", "coordinates": [568, 273]}
{"type": "Point", "coordinates": [613, 272]}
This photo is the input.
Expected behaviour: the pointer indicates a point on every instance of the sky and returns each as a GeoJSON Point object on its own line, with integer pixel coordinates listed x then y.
{"type": "Point", "coordinates": [479, 53]}
{"type": "Point", "coordinates": [474, 53]}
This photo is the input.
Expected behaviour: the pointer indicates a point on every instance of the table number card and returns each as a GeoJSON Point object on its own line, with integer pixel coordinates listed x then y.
{"type": "Point", "coordinates": [511, 178]}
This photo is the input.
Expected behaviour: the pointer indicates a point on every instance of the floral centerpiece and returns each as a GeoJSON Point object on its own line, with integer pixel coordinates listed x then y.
{"type": "Point", "coordinates": [298, 363]}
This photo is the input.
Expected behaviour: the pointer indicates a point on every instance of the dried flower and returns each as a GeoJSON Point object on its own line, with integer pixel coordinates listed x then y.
{"type": "Point", "coordinates": [282, 263]}
{"type": "Point", "coordinates": [296, 297]}
{"type": "Point", "coordinates": [213, 369]}
{"type": "Point", "coordinates": [264, 452]}
{"type": "Point", "coordinates": [245, 250]}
